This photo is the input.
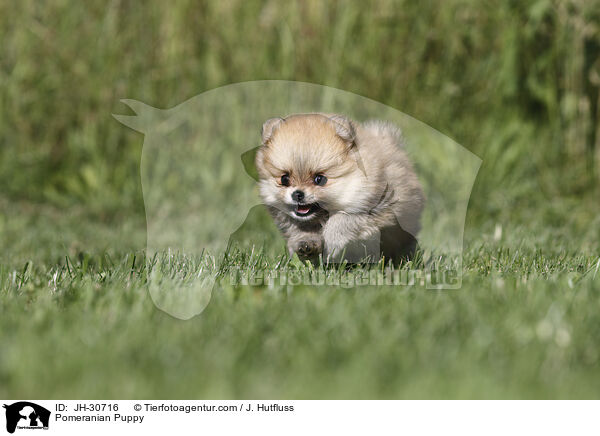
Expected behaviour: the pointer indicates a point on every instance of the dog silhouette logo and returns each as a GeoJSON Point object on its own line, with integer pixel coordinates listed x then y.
{"type": "Point", "coordinates": [26, 415]}
{"type": "Point", "coordinates": [201, 187]}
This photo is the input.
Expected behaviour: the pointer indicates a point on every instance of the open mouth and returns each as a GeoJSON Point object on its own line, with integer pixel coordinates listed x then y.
{"type": "Point", "coordinates": [305, 210]}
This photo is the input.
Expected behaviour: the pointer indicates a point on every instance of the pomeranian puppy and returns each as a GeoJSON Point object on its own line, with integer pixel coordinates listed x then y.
{"type": "Point", "coordinates": [339, 188]}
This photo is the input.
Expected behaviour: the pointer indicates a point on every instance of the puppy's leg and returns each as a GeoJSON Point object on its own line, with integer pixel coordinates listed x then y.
{"type": "Point", "coordinates": [306, 240]}
{"type": "Point", "coordinates": [353, 237]}
{"type": "Point", "coordinates": [307, 245]}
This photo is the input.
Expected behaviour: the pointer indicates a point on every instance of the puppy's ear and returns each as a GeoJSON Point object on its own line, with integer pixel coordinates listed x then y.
{"type": "Point", "coordinates": [269, 128]}
{"type": "Point", "coordinates": [344, 128]}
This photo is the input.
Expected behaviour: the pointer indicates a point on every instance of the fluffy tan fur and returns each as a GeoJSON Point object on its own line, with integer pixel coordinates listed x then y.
{"type": "Point", "coordinates": [371, 202]}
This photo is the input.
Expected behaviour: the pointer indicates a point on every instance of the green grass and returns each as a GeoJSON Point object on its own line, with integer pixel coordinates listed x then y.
{"type": "Point", "coordinates": [514, 82]}
{"type": "Point", "coordinates": [525, 324]}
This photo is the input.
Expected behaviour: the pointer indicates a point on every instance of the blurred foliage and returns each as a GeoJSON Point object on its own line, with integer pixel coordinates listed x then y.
{"type": "Point", "coordinates": [515, 82]}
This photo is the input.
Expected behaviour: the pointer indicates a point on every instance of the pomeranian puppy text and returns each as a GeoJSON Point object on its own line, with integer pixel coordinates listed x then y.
{"type": "Point", "coordinates": [339, 188]}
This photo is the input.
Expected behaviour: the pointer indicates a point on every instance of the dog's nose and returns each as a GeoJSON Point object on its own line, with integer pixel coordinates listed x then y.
{"type": "Point", "coordinates": [297, 195]}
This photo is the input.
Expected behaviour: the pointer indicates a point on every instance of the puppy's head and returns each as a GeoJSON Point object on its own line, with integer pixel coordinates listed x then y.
{"type": "Point", "coordinates": [307, 165]}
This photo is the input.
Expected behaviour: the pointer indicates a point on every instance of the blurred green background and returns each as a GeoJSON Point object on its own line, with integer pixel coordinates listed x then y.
{"type": "Point", "coordinates": [515, 82]}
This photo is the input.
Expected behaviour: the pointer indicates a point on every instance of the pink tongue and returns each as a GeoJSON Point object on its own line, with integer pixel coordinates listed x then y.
{"type": "Point", "coordinates": [303, 209]}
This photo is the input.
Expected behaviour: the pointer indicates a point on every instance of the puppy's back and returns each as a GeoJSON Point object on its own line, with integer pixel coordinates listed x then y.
{"type": "Point", "coordinates": [383, 144]}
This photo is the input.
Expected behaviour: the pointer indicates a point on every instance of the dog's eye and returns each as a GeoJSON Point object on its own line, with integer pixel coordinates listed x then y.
{"type": "Point", "coordinates": [320, 179]}
{"type": "Point", "coordinates": [285, 180]}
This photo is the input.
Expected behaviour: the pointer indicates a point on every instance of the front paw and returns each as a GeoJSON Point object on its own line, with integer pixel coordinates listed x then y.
{"type": "Point", "coordinates": [307, 248]}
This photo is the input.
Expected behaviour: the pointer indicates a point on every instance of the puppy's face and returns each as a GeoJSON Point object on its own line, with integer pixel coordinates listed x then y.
{"type": "Point", "coordinates": [307, 165]}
